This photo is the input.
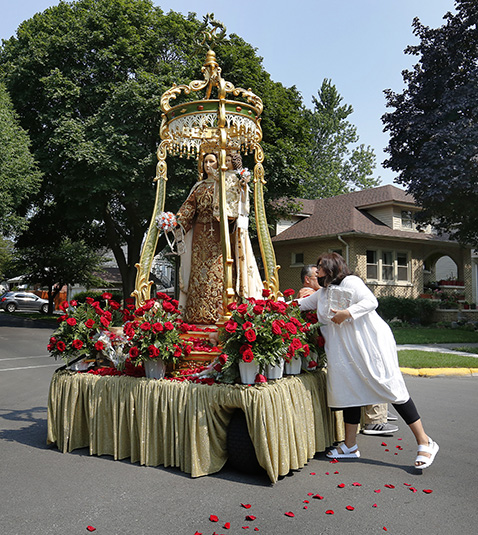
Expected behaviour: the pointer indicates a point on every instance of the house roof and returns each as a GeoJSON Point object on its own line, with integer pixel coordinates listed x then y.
{"type": "Point", "coordinates": [347, 214]}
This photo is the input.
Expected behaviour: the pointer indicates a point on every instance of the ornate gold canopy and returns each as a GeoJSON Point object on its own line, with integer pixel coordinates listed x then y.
{"type": "Point", "coordinates": [193, 128]}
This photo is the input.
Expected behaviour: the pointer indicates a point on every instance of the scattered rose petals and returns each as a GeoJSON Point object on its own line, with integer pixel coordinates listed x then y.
{"type": "Point", "coordinates": [374, 505]}
{"type": "Point", "coordinates": [408, 484]}
{"type": "Point", "coordinates": [383, 444]}
{"type": "Point", "coordinates": [318, 497]}
{"type": "Point", "coordinates": [350, 508]}
{"type": "Point", "coordinates": [326, 473]}
{"type": "Point", "coordinates": [90, 528]}
{"type": "Point", "coordinates": [214, 518]}
{"type": "Point", "coordinates": [355, 484]}
{"type": "Point", "coordinates": [399, 439]}
{"type": "Point", "coordinates": [256, 529]}
{"type": "Point", "coordinates": [250, 517]}
{"type": "Point", "coordinates": [384, 528]}
{"type": "Point", "coordinates": [329, 512]}
{"type": "Point", "coordinates": [387, 449]}
{"type": "Point", "coordinates": [395, 453]}
{"type": "Point", "coordinates": [377, 491]}
{"type": "Point", "coordinates": [306, 507]}
{"type": "Point", "coordinates": [335, 472]}
{"type": "Point", "coordinates": [390, 486]}
{"type": "Point", "coordinates": [227, 525]}
{"type": "Point", "coordinates": [427, 491]}
{"type": "Point", "coordinates": [197, 533]}
{"type": "Point", "coordinates": [312, 473]}
{"type": "Point", "coordinates": [399, 447]}
{"type": "Point", "coordinates": [310, 494]}
{"type": "Point", "coordinates": [333, 461]}
{"type": "Point", "coordinates": [246, 505]}
{"type": "Point", "coordinates": [290, 513]}
{"type": "Point", "coordinates": [245, 527]}
{"type": "Point", "coordinates": [341, 485]}
{"type": "Point", "coordinates": [306, 501]}
{"type": "Point", "coordinates": [413, 489]}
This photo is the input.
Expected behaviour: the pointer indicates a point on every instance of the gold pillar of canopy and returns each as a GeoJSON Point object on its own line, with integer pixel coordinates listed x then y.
{"type": "Point", "coordinates": [194, 128]}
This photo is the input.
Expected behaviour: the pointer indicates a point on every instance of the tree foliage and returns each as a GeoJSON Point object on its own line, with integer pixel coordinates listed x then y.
{"type": "Point", "coordinates": [19, 176]}
{"type": "Point", "coordinates": [57, 264]}
{"type": "Point", "coordinates": [337, 164]}
{"type": "Point", "coordinates": [87, 78]}
{"type": "Point", "coordinates": [434, 126]}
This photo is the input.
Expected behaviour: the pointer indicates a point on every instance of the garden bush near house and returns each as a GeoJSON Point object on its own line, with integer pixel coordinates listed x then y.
{"type": "Point", "coordinates": [406, 309]}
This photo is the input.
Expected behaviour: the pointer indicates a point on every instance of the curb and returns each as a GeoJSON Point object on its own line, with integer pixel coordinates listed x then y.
{"type": "Point", "coordinates": [433, 372]}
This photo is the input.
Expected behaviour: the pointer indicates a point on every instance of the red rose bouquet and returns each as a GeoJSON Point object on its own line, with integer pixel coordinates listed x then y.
{"type": "Point", "coordinates": [84, 330]}
{"type": "Point", "coordinates": [264, 331]}
{"type": "Point", "coordinates": [155, 331]}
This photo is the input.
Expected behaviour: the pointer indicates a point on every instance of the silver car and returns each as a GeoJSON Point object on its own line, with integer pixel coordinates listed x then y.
{"type": "Point", "coordinates": [12, 301]}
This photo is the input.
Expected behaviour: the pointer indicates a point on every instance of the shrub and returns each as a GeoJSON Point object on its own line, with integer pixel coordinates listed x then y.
{"type": "Point", "coordinates": [97, 295]}
{"type": "Point", "coordinates": [407, 309]}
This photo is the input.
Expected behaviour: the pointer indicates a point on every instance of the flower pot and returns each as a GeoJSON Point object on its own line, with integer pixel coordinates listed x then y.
{"type": "Point", "coordinates": [248, 371]}
{"type": "Point", "coordinates": [154, 368]}
{"type": "Point", "coordinates": [293, 367]}
{"type": "Point", "coordinates": [306, 361]}
{"type": "Point", "coordinates": [275, 372]}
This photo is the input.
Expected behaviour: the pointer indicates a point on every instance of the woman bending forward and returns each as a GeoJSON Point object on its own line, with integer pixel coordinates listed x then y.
{"type": "Point", "coordinates": [361, 355]}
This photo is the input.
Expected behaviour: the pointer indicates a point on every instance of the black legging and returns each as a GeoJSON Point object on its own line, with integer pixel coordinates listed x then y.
{"type": "Point", "coordinates": [406, 410]}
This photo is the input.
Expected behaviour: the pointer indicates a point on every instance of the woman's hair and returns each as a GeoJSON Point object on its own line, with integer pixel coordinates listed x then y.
{"type": "Point", "coordinates": [334, 267]}
{"type": "Point", "coordinates": [204, 174]}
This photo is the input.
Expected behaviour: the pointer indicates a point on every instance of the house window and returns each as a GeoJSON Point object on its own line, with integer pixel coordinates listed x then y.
{"type": "Point", "coordinates": [372, 265]}
{"type": "Point", "coordinates": [297, 258]}
{"type": "Point", "coordinates": [388, 266]}
{"type": "Point", "coordinates": [407, 219]}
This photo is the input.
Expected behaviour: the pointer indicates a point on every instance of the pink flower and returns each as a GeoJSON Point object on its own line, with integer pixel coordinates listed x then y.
{"type": "Point", "coordinates": [134, 352]}
{"type": "Point", "coordinates": [242, 309]}
{"type": "Point", "coordinates": [250, 335]}
{"type": "Point", "coordinates": [230, 326]}
{"type": "Point", "coordinates": [146, 326]}
{"type": "Point", "coordinates": [89, 323]}
{"type": "Point", "coordinates": [107, 296]}
{"type": "Point", "coordinates": [99, 346]}
{"type": "Point", "coordinates": [71, 322]}
{"type": "Point", "coordinates": [157, 327]}
{"type": "Point", "coordinates": [260, 378]}
{"type": "Point", "coordinates": [248, 355]}
{"type": "Point", "coordinates": [266, 293]}
{"type": "Point", "coordinates": [168, 326]}
{"type": "Point", "coordinates": [61, 346]}
{"type": "Point", "coordinates": [77, 344]}
{"type": "Point", "coordinates": [289, 292]}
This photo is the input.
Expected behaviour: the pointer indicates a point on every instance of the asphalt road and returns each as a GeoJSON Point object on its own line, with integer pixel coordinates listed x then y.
{"type": "Point", "coordinates": [43, 491]}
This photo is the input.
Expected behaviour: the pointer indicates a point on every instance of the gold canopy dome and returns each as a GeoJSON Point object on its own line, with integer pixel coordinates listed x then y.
{"type": "Point", "coordinates": [194, 128]}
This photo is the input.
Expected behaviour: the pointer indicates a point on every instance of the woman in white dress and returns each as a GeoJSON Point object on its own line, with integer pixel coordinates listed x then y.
{"type": "Point", "coordinates": [361, 355]}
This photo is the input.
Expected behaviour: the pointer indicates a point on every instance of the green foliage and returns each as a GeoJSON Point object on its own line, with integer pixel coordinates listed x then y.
{"type": "Point", "coordinates": [337, 164]}
{"type": "Point", "coordinates": [56, 264]}
{"type": "Point", "coordinates": [6, 258]}
{"type": "Point", "coordinates": [434, 124]}
{"type": "Point", "coordinates": [428, 359]}
{"type": "Point", "coordinates": [408, 310]}
{"type": "Point", "coordinates": [19, 175]}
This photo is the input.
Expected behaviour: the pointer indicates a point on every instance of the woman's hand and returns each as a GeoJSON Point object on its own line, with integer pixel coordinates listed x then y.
{"type": "Point", "coordinates": [340, 316]}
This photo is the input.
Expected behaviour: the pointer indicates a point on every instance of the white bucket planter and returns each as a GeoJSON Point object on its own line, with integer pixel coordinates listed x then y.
{"type": "Point", "coordinates": [154, 369]}
{"type": "Point", "coordinates": [248, 371]}
{"type": "Point", "coordinates": [275, 372]}
{"type": "Point", "coordinates": [293, 367]}
{"type": "Point", "coordinates": [306, 362]}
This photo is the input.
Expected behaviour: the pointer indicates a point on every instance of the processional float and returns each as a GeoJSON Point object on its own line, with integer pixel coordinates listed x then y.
{"type": "Point", "coordinates": [218, 124]}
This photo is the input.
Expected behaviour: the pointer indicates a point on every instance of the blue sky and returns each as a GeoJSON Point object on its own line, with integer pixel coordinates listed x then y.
{"type": "Point", "coordinates": [358, 44]}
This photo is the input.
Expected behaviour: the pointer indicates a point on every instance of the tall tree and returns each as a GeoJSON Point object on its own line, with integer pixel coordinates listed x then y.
{"type": "Point", "coordinates": [337, 163]}
{"type": "Point", "coordinates": [434, 126]}
{"type": "Point", "coordinates": [57, 264]}
{"type": "Point", "coordinates": [87, 78]}
{"type": "Point", "coordinates": [19, 175]}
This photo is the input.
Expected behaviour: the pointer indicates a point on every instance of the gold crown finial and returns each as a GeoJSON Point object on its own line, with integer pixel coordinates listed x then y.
{"type": "Point", "coordinates": [210, 33]}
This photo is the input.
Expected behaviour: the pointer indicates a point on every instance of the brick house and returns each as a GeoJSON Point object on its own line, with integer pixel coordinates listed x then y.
{"type": "Point", "coordinates": [374, 231]}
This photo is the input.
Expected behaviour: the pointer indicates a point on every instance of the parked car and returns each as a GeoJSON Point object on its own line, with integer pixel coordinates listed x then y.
{"type": "Point", "coordinates": [12, 301]}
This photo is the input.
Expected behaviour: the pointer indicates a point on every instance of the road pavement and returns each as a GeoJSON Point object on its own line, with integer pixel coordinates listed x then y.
{"type": "Point", "coordinates": [43, 491]}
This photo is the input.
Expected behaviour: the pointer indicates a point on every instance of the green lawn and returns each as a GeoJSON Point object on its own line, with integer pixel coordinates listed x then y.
{"type": "Point", "coordinates": [433, 335]}
{"type": "Point", "coordinates": [427, 359]}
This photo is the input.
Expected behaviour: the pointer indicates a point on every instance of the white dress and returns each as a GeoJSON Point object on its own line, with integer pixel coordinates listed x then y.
{"type": "Point", "coordinates": [362, 361]}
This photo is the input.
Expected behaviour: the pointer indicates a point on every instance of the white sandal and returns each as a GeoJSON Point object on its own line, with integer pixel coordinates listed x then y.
{"type": "Point", "coordinates": [347, 453]}
{"type": "Point", "coordinates": [432, 449]}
